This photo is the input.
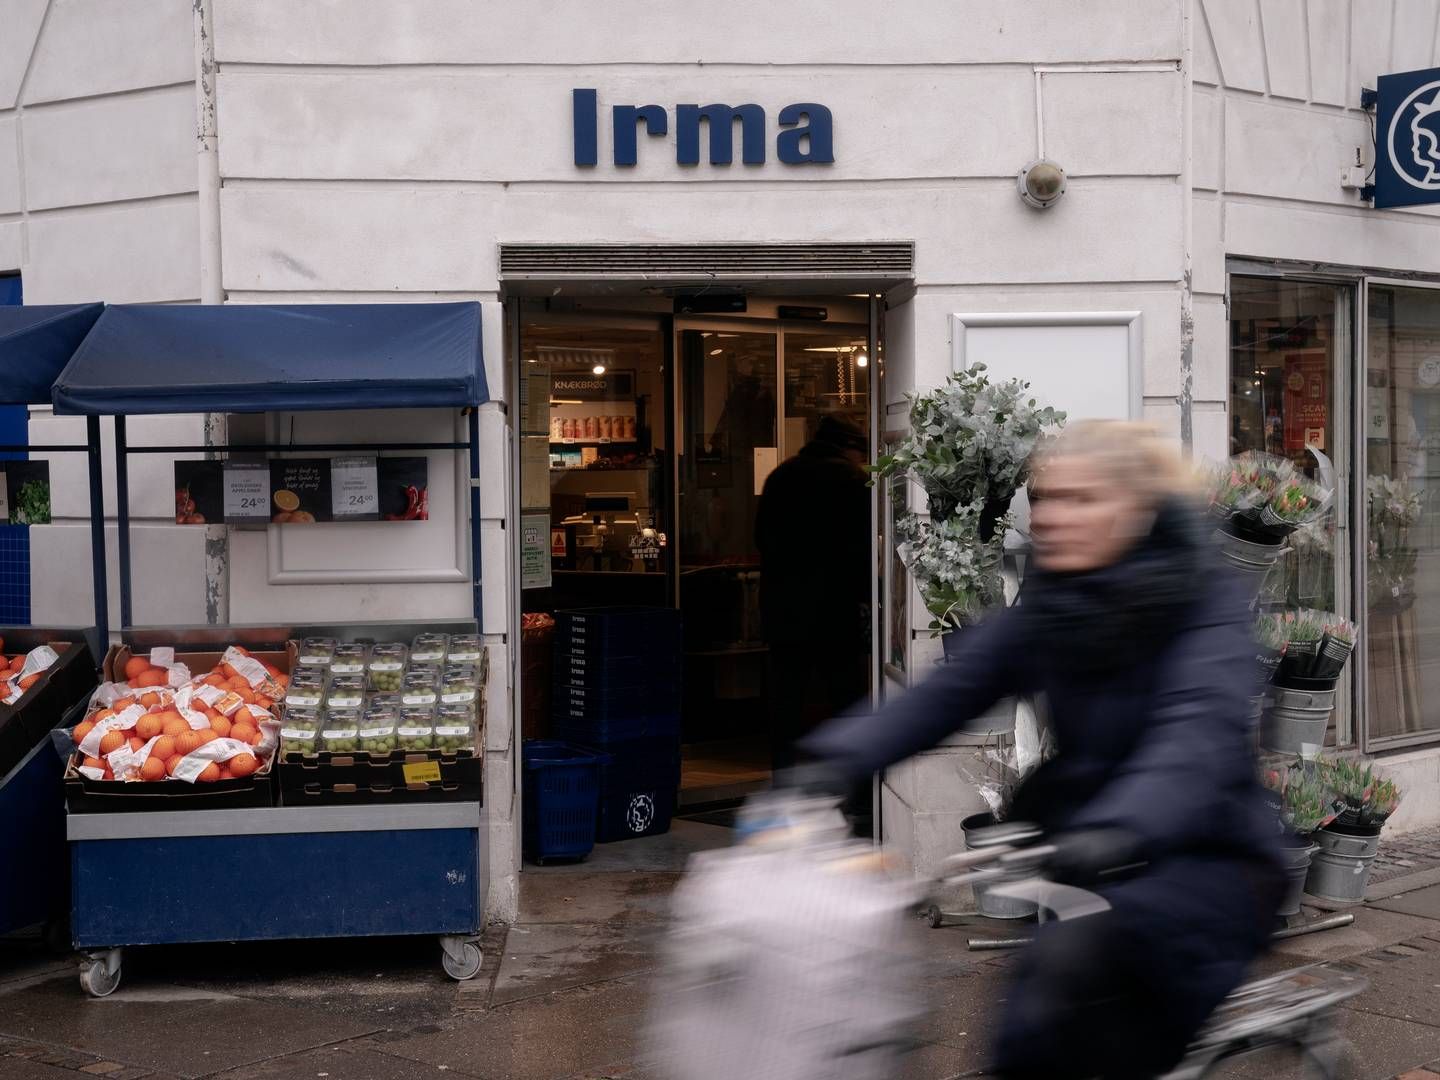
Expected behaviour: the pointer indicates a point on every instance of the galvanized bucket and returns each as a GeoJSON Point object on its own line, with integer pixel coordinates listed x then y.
{"type": "Point", "coordinates": [1340, 869]}
{"type": "Point", "coordinates": [1297, 867]}
{"type": "Point", "coordinates": [1294, 721]}
{"type": "Point", "coordinates": [1248, 556]}
{"type": "Point", "coordinates": [981, 831]}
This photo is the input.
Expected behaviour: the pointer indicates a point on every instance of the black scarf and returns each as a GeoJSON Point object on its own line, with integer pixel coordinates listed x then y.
{"type": "Point", "coordinates": [1094, 622]}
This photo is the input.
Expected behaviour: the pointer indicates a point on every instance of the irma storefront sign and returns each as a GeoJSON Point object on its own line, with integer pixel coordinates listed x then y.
{"type": "Point", "coordinates": [804, 133]}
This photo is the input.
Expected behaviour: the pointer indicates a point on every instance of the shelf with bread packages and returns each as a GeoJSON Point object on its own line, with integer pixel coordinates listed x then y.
{"type": "Point", "coordinates": [248, 768]}
{"type": "Point", "coordinates": [43, 669]}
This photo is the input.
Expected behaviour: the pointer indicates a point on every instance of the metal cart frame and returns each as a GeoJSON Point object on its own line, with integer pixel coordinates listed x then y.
{"type": "Point", "coordinates": [265, 874]}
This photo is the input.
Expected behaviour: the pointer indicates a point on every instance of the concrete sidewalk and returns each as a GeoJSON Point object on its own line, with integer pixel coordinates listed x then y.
{"type": "Point", "coordinates": [564, 990]}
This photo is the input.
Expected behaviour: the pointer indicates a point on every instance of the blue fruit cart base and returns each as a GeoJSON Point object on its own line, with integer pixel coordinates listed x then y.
{"type": "Point", "coordinates": [276, 873]}
{"type": "Point", "coordinates": [32, 842]}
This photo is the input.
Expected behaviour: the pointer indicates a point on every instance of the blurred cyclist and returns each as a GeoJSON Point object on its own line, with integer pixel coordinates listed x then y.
{"type": "Point", "coordinates": [1140, 642]}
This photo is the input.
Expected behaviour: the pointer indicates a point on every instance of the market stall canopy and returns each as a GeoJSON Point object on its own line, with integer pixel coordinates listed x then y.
{"type": "Point", "coordinates": [260, 358]}
{"type": "Point", "coordinates": [35, 345]}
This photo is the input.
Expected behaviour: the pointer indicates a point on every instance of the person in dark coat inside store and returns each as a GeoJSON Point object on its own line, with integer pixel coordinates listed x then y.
{"type": "Point", "coordinates": [1139, 642]}
{"type": "Point", "coordinates": [812, 529]}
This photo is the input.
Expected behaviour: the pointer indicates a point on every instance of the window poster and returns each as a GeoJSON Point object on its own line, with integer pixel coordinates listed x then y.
{"type": "Point", "coordinates": [25, 492]}
{"type": "Point", "coordinates": [1307, 400]}
{"type": "Point", "coordinates": [302, 491]}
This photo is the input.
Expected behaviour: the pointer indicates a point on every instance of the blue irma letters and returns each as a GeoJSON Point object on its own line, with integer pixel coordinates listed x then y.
{"type": "Point", "coordinates": [806, 135]}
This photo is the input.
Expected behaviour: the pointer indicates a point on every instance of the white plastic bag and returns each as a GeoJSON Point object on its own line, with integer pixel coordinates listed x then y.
{"type": "Point", "coordinates": [786, 961]}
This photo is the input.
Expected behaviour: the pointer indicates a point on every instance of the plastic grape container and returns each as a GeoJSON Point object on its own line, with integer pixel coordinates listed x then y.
{"type": "Point", "coordinates": [377, 734]}
{"type": "Point", "coordinates": [457, 685]}
{"type": "Point", "coordinates": [340, 731]}
{"type": "Point", "coordinates": [420, 686]}
{"type": "Point", "coordinates": [345, 692]}
{"type": "Point", "coordinates": [317, 652]}
{"type": "Point", "coordinates": [349, 659]}
{"type": "Point", "coordinates": [299, 733]}
{"type": "Point", "coordinates": [429, 649]}
{"type": "Point", "coordinates": [387, 666]}
{"type": "Point", "coordinates": [416, 729]}
{"type": "Point", "coordinates": [454, 728]}
{"type": "Point", "coordinates": [306, 689]}
{"type": "Point", "coordinates": [466, 649]}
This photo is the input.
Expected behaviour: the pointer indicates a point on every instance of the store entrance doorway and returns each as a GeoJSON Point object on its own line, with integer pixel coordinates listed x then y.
{"type": "Point", "coordinates": [659, 434]}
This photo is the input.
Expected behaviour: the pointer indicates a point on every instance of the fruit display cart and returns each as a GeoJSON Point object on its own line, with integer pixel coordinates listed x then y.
{"type": "Point", "coordinates": [322, 844]}
{"type": "Point", "coordinates": [45, 669]}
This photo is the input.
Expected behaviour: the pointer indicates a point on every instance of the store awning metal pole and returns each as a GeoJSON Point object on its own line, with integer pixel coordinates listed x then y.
{"type": "Point", "coordinates": [97, 537]}
{"type": "Point", "coordinates": [475, 576]}
{"type": "Point", "coordinates": [122, 517]}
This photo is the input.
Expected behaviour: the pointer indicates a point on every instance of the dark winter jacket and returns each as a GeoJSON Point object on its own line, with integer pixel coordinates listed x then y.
{"type": "Point", "coordinates": [1159, 741]}
{"type": "Point", "coordinates": [812, 529]}
{"type": "Point", "coordinates": [1150, 710]}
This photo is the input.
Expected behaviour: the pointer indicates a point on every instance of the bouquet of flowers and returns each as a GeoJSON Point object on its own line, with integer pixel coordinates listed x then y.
{"type": "Point", "coordinates": [1317, 644]}
{"type": "Point", "coordinates": [1391, 508]}
{"type": "Point", "coordinates": [1367, 798]}
{"type": "Point", "coordinates": [1262, 498]}
{"type": "Point", "coordinates": [969, 449]}
{"type": "Point", "coordinates": [1305, 800]}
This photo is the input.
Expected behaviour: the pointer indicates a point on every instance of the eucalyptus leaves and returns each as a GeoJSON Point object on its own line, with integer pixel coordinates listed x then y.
{"type": "Point", "coordinates": [969, 450]}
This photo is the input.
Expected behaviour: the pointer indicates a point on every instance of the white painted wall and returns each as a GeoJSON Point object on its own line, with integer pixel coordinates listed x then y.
{"type": "Point", "coordinates": [388, 149]}
{"type": "Point", "coordinates": [381, 149]}
{"type": "Point", "coordinates": [97, 202]}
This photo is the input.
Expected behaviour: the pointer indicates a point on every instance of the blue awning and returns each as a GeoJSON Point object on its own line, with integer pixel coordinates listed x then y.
{"type": "Point", "coordinates": [35, 345]}
{"type": "Point", "coordinates": [260, 358]}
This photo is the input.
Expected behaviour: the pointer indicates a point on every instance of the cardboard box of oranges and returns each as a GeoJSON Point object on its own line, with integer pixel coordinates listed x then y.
{"type": "Point", "coordinates": [43, 703]}
{"type": "Point", "coordinates": [169, 730]}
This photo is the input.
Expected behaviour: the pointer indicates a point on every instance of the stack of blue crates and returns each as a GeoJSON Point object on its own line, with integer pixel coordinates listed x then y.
{"type": "Point", "coordinates": [617, 689]}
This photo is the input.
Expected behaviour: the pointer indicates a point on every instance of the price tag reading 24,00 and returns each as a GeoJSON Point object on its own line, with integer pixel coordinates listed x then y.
{"type": "Point", "coordinates": [354, 490]}
{"type": "Point", "coordinates": [247, 493]}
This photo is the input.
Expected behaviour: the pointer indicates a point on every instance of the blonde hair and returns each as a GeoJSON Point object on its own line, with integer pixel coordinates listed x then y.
{"type": "Point", "coordinates": [1133, 454]}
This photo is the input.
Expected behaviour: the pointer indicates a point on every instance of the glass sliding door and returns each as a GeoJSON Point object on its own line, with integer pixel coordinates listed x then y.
{"type": "Point", "coordinates": [1402, 513]}
{"type": "Point", "coordinates": [1291, 362]}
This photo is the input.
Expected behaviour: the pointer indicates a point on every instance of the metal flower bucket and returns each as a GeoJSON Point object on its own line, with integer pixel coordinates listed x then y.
{"type": "Point", "coordinates": [1340, 869]}
{"type": "Point", "coordinates": [981, 831]}
{"type": "Point", "coordinates": [1294, 721]}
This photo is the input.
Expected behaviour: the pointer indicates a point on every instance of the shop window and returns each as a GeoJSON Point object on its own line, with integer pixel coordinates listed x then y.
{"type": "Point", "coordinates": [1290, 345]}
{"type": "Point", "coordinates": [1402, 470]}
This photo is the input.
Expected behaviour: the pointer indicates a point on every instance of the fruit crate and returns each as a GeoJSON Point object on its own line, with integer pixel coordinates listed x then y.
{"type": "Point", "coordinates": [617, 631]}
{"type": "Point", "coordinates": [414, 777]}
{"type": "Point", "coordinates": [590, 731]}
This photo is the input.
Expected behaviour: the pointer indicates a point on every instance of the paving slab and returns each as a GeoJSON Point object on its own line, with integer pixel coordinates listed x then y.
{"type": "Point", "coordinates": [542, 958]}
{"type": "Point", "coordinates": [14, 1069]}
{"type": "Point", "coordinates": [1381, 1048]}
{"type": "Point", "coordinates": [1406, 987]}
{"type": "Point", "coordinates": [595, 896]}
{"type": "Point", "coordinates": [556, 1035]}
{"type": "Point", "coordinates": [666, 853]}
{"type": "Point", "coordinates": [390, 982]}
{"type": "Point", "coordinates": [221, 1032]}
{"type": "Point", "coordinates": [1424, 903]}
{"type": "Point", "coordinates": [1372, 929]}
{"type": "Point", "coordinates": [340, 1063]}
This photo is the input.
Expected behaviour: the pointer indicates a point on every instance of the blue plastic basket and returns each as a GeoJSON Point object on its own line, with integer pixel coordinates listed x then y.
{"type": "Point", "coordinates": [562, 798]}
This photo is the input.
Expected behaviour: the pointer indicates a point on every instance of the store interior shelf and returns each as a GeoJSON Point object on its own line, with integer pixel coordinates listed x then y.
{"type": "Point", "coordinates": [262, 821]}
{"type": "Point", "coordinates": [593, 442]}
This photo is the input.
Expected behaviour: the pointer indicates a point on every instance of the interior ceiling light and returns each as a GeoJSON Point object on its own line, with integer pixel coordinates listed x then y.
{"type": "Point", "coordinates": [862, 360]}
{"type": "Point", "coordinates": [598, 369]}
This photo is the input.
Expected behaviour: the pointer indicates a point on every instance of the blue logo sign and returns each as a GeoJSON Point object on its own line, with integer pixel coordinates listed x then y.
{"type": "Point", "coordinates": [805, 135]}
{"type": "Point", "coordinates": [1407, 139]}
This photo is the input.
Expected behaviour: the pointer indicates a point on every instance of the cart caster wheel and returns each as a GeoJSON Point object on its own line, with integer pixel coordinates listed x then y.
{"type": "Point", "coordinates": [934, 917]}
{"type": "Point", "coordinates": [464, 966]}
{"type": "Point", "coordinates": [96, 978]}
